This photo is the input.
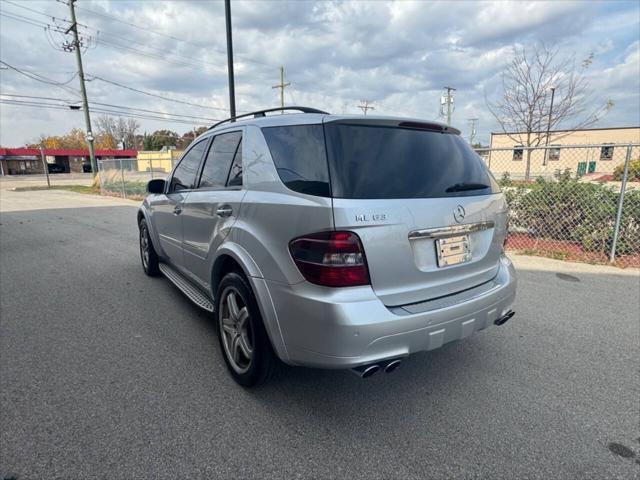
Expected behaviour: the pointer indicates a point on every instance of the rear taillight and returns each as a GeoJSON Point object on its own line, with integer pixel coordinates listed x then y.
{"type": "Point", "coordinates": [331, 259]}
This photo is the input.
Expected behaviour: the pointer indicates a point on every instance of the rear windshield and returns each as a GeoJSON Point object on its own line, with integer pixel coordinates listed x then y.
{"type": "Point", "coordinates": [376, 162]}
{"type": "Point", "coordinates": [390, 162]}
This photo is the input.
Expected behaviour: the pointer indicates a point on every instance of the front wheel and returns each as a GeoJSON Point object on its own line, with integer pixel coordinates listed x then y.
{"type": "Point", "coordinates": [243, 339]}
{"type": "Point", "coordinates": [148, 254]}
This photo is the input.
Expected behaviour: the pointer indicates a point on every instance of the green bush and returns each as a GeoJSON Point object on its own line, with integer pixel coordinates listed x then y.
{"type": "Point", "coordinates": [634, 171]}
{"type": "Point", "coordinates": [583, 213]}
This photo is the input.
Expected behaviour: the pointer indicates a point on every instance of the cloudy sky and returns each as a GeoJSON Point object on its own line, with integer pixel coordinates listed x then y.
{"type": "Point", "coordinates": [398, 55]}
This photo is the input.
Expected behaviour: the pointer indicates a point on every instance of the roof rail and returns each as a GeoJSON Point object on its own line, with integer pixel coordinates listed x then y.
{"type": "Point", "coordinates": [261, 113]}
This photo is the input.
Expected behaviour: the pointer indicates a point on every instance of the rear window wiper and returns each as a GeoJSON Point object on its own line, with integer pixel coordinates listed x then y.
{"type": "Point", "coordinates": [461, 187]}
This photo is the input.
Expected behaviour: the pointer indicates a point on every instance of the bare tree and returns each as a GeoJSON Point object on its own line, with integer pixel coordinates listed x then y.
{"type": "Point", "coordinates": [523, 111]}
{"type": "Point", "coordinates": [120, 129]}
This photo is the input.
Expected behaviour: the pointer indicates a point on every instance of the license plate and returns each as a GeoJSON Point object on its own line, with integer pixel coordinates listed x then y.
{"type": "Point", "coordinates": [453, 250]}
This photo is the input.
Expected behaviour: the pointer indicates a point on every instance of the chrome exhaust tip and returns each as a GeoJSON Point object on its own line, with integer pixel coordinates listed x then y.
{"type": "Point", "coordinates": [392, 365]}
{"type": "Point", "coordinates": [365, 371]}
{"type": "Point", "coordinates": [505, 318]}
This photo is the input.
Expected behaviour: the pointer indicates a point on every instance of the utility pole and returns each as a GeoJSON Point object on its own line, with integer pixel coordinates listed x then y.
{"type": "Point", "coordinates": [449, 101]}
{"type": "Point", "coordinates": [232, 87]}
{"type": "Point", "coordinates": [85, 104]}
{"type": "Point", "coordinates": [472, 133]}
{"type": "Point", "coordinates": [365, 106]}
{"type": "Point", "coordinates": [546, 151]}
{"type": "Point", "coordinates": [44, 165]}
{"type": "Point", "coordinates": [281, 86]}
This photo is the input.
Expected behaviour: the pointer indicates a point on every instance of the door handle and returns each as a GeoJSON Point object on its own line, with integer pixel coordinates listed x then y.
{"type": "Point", "coordinates": [177, 210]}
{"type": "Point", "coordinates": [224, 211]}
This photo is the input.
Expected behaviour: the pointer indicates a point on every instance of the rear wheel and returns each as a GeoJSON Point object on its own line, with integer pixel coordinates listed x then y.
{"type": "Point", "coordinates": [243, 339]}
{"type": "Point", "coordinates": [148, 254]}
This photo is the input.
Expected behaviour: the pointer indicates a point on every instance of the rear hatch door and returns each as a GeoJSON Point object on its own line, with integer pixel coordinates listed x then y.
{"type": "Point", "coordinates": [430, 216]}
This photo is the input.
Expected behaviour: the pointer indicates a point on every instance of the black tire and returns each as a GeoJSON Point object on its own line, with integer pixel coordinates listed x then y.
{"type": "Point", "coordinates": [263, 361]}
{"type": "Point", "coordinates": [150, 262]}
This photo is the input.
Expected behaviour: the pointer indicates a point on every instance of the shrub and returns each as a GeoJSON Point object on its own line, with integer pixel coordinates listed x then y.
{"type": "Point", "coordinates": [634, 171]}
{"type": "Point", "coordinates": [583, 213]}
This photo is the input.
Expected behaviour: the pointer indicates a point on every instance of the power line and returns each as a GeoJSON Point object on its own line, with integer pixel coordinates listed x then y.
{"type": "Point", "coordinates": [53, 106]}
{"type": "Point", "coordinates": [48, 81]}
{"type": "Point", "coordinates": [36, 11]}
{"type": "Point", "coordinates": [143, 92]}
{"type": "Point", "coordinates": [182, 61]}
{"type": "Point", "coordinates": [42, 79]}
{"type": "Point", "coordinates": [115, 106]}
{"type": "Point", "coordinates": [154, 32]}
{"type": "Point", "coordinates": [156, 56]}
{"type": "Point", "coordinates": [27, 20]}
{"type": "Point", "coordinates": [115, 19]}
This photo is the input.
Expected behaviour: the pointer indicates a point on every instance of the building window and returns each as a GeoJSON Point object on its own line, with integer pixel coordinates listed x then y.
{"type": "Point", "coordinates": [517, 153]}
{"type": "Point", "coordinates": [554, 154]}
{"type": "Point", "coordinates": [606, 152]}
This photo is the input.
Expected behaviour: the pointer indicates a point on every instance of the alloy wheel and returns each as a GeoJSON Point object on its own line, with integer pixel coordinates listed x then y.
{"type": "Point", "coordinates": [144, 246]}
{"type": "Point", "coordinates": [235, 328]}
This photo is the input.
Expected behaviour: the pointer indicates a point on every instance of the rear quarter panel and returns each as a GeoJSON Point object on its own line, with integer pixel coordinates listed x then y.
{"type": "Point", "coordinates": [272, 215]}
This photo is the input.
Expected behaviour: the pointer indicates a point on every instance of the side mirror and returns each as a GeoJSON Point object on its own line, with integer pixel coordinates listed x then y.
{"type": "Point", "coordinates": [156, 186]}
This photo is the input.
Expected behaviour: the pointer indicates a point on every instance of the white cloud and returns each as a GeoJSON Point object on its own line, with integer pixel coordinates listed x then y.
{"type": "Point", "coordinates": [398, 54]}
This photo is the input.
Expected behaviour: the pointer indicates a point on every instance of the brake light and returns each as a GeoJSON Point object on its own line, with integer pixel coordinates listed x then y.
{"type": "Point", "coordinates": [331, 259]}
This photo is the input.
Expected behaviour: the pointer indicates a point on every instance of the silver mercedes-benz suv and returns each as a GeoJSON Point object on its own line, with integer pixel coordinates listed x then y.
{"type": "Point", "coordinates": [331, 241]}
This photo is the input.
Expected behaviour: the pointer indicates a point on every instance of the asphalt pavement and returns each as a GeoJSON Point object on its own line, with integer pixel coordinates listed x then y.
{"type": "Point", "coordinates": [106, 373]}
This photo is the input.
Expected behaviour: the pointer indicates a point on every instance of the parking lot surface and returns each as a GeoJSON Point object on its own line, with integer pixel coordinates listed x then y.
{"type": "Point", "coordinates": [106, 373]}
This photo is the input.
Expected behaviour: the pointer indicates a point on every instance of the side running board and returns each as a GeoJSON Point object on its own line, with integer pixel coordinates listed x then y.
{"type": "Point", "coordinates": [185, 286]}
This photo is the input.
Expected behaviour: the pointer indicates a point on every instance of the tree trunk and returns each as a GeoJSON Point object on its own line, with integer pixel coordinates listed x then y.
{"type": "Point", "coordinates": [527, 172]}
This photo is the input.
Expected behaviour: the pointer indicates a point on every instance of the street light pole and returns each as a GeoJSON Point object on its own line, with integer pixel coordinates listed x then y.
{"type": "Point", "coordinates": [232, 88]}
{"type": "Point", "coordinates": [546, 151]}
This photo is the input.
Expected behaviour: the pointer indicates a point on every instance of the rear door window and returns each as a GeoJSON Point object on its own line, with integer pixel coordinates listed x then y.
{"type": "Point", "coordinates": [221, 154]}
{"type": "Point", "coordinates": [184, 176]}
{"type": "Point", "coordinates": [379, 162]}
{"type": "Point", "coordinates": [299, 156]}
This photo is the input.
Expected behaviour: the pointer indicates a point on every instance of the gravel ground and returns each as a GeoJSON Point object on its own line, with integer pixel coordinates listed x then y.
{"type": "Point", "coordinates": [106, 373]}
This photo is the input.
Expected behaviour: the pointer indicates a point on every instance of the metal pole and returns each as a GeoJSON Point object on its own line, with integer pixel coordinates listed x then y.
{"type": "Point", "coordinates": [546, 152]}
{"type": "Point", "coordinates": [83, 91]}
{"type": "Point", "coordinates": [44, 165]}
{"type": "Point", "coordinates": [623, 186]}
{"type": "Point", "coordinates": [232, 88]}
{"type": "Point", "coordinates": [449, 101]}
{"type": "Point", "coordinates": [282, 87]}
{"type": "Point", "coordinates": [124, 192]}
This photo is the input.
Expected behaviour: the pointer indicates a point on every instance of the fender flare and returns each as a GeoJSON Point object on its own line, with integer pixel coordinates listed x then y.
{"type": "Point", "coordinates": [261, 291]}
{"type": "Point", "coordinates": [155, 241]}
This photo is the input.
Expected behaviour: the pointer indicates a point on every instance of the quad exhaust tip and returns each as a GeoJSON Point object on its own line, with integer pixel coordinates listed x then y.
{"type": "Point", "coordinates": [365, 371]}
{"type": "Point", "coordinates": [392, 365]}
{"type": "Point", "coordinates": [505, 318]}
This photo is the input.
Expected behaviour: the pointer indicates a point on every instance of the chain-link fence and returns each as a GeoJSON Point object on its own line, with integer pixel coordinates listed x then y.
{"type": "Point", "coordinates": [128, 177]}
{"type": "Point", "coordinates": [575, 202]}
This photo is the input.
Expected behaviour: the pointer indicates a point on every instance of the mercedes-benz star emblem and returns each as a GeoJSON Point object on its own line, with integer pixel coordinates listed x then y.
{"type": "Point", "coordinates": [459, 213]}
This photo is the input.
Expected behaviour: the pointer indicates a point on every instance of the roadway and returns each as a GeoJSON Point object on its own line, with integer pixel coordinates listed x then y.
{"type": "Point", "coordinates": [106, 373]}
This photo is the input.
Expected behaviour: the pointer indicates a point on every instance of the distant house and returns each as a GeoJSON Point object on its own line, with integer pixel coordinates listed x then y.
{"type": "Point", "coordinates": [25, 161]}
{"type": "Point", "coordinates": [602, 156]}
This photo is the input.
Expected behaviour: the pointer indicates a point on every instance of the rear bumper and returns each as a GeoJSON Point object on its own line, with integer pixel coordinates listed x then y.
{"type": "Point", "coordinates": [344, 328]}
